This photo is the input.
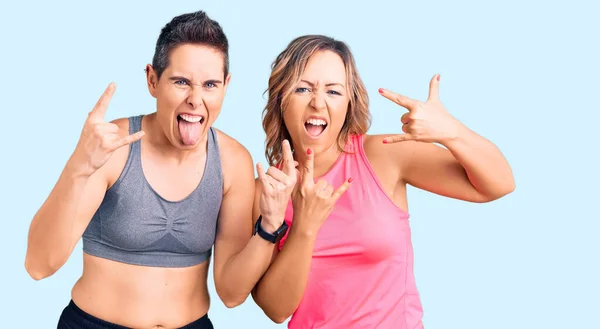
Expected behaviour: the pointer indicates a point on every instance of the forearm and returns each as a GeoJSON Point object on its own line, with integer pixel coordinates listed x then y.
{"type": "Point", "coordinates": [280, 290]}
{"type": "Point", "coordinates": [49, 239]}
{"type": "Point", "coordinates": [486, 167]}
{"type": "Point", "coordinates": [243, 270]}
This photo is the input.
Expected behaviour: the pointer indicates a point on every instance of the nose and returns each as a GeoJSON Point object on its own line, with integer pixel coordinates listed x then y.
{"type": "Point", "coordinates": [194, 97]}
{"type": "Point", "coordinates": [318, 101]}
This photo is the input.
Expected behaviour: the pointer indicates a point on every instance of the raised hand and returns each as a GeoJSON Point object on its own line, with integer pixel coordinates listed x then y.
{"type": "Point", "coordinates": [312, 201]}
{"type": "Point", "coordinates": [424, 122]}
{"type": "Point", "coordinates": [276, 188]}
{"type": "Point", "coordinates": [99, 139]}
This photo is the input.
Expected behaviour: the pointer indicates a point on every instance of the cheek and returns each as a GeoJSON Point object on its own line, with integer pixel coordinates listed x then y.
{"type": "Point", "coordinates": [168, 100]}
{"type": "Point", "coordinates": [338, 110]}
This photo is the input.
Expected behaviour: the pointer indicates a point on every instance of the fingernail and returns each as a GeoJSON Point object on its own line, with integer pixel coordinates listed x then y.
{"type": "Point", "coordinates": [350, 180]}
{"type": "Point", "coordinates": [385, 141]}
{"type": "Point", "coordinates": [438, 77]}
{"type": "Point", "coordinates": [309, 151]}
{"type": "Point", "coordinates": [381, 90]}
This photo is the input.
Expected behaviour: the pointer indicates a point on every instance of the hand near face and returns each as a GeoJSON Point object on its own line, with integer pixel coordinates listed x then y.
{"type": "Point", "coordinates": [276, 188]}
{"type": "Point", "coordinates": [99, 139]}
{"type": "Point", "coordinates": [424, 122]}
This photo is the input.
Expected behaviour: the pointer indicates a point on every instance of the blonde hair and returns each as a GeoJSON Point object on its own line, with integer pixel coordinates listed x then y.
{"type": "Point", "coordinates": [286, 72]}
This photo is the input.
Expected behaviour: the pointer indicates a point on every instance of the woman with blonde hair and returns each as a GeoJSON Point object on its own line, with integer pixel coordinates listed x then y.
{"type": "Point", "coordinates": [346, 260]}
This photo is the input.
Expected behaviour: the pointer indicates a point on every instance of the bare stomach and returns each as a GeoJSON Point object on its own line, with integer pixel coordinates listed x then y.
{"type": "Point", "coordinates": [142, 297]}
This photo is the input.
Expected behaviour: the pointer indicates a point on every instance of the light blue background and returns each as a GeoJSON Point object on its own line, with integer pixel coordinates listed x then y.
{"type": "Point", "coordinates": [523, 74]}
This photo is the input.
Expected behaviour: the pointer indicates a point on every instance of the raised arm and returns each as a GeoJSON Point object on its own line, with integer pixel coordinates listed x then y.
{"type": "Point", "coordinates": [470, 168]}
{"type": "Point", "coordinates": [280, 290]}
{"type": "Point", "coordinates": [241, 258]}
{"type": "Point", "coordinates": [61, 220]}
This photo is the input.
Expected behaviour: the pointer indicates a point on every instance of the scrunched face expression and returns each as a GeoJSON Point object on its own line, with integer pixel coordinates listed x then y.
{"type": "Point", "coordinates": [189, 93]}
{"type": "Point", "coordinates": [315, 111]}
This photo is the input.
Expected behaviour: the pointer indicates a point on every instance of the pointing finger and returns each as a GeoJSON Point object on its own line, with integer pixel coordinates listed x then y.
{"type": "Point", "coordinates": [398, 138]}
{"type": "Point", "coordinates": [434, 88]}
{"type": "Point", "coordinates": [99, 110]}
{"type": "Point", "coordinates": [406, 102]}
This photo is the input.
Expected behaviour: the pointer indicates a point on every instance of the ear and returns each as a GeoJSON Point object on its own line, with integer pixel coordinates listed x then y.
{"type": "Point", "coordinates": [151, 80]}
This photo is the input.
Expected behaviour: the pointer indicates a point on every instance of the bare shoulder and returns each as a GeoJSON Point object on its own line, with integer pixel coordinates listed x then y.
{"type": "Point", "coordinates": [389, 160]}
{"type": "Point", "coordinates": [236, 160]}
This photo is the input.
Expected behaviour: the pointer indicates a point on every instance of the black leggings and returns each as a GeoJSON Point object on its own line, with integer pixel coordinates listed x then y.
{"type": "Point", "coordinates": [73, 317]}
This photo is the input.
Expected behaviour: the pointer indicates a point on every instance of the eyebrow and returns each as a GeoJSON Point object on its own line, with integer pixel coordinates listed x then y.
{"type": "Point", "coordinates": [327, 85]}
{"type": "Point", "coordinates": [174, 78]}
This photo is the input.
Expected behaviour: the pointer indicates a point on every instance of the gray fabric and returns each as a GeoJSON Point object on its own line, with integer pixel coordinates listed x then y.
{"type": "Point", "coordinates": [135, 225]}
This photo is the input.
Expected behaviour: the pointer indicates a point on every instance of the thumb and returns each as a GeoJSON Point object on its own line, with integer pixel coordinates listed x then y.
{"type": "Point", "coordinates": [398, 138]}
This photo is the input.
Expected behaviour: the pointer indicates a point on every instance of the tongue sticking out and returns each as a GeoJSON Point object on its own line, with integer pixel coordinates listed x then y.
{"type": "Point", "coordinates": [314, 130]}
{"type": "Point", "coordinates": [189, 132]}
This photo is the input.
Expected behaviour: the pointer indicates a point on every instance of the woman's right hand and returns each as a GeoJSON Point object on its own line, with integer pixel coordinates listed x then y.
{"type": "Point", "coordinates": [312, 201]}
{"type": "Point", "coordinates": [99, 139]}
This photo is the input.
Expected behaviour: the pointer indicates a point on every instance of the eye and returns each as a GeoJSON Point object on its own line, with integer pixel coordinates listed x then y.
{"type": "Point", "coordinates": [333, 92]}
{"type": "Point", "coordinates": [302, 90]}
{"type": "Point", "coordinates": [210, 85]}
{"type": "Point", "coordinates": [181, 82]}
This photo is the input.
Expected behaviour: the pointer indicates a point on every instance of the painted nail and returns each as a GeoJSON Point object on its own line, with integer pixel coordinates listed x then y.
{"type": "Point", "coordinates": [350, 180]}
{"type": "Point", "coordinates": [438, 78]}
{"type": "Point", "coordinates": [385, 141]}
{"type": "Point", "coordinates": [381, 90]}
{"type": "Point", "coordinates": [309, 151]}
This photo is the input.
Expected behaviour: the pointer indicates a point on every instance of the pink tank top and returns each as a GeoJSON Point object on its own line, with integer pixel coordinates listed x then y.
{"type": "Point", "coordinates": [361, 274]}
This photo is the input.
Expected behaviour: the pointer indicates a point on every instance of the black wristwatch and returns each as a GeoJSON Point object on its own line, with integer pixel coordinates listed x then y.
{"type": "Point", "coordinates": [271, 237]}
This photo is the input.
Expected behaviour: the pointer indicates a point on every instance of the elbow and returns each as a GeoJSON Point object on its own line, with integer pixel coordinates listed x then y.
{"type": "Point", "coordinates": [232, 303]}
{"type": "Point", "coordinates": [231, 300]}
{"type": "Point", "coordinates": [278, 319]}
{"type": "Point", "coordinates": [39, 270]}
{"type": "Point", "coordinates": [500, 192]}
{"type": "Point", "coordinates": [276, 316]}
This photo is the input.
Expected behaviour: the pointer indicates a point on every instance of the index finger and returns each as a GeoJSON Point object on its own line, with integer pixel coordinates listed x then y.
{"type": "Point", "coordinates": [307, 172]}
{"type": "Point", "coordinates": [434, 88]}
{"type": "Point", "coordinates": [406, 102]}
{"type": "Point", "coordinates": [99, 110]}
{"type": "Point", "coordinates": [288, 166]}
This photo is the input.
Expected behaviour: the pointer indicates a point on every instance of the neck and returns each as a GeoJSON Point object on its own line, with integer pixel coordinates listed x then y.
{"type": "Point", "coordinates": [324, 159]}
{"type": "Point", "coordinates": [156, 137]}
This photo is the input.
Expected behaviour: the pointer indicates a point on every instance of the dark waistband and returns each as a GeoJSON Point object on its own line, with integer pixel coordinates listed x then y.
{"type": "Point", "coordinates": [202, 323]}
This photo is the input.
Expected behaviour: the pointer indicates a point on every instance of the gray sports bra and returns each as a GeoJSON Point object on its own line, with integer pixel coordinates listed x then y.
{"type": "Point", "coordinates": [135, 225]}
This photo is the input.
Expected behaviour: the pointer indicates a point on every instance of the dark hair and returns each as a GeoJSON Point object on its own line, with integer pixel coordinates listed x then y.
{"type": "Point", "coordinates": [191, 28]}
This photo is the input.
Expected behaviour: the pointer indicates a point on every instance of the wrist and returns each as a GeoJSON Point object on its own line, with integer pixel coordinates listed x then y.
{"type": "Point", "coordinates": [457, 134]}
{"type": "Point", "coordinates": [269, 225]}
{"type": "Point", "coordinates": [76, 172]}
{"type": "Point", "coordinates": [77, 169]}
{"type": "Point", "coordinates": [299, 228]}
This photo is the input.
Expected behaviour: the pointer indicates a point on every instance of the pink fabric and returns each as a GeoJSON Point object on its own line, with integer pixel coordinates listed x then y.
{"type": "Point", "coordinates": [361, 274]}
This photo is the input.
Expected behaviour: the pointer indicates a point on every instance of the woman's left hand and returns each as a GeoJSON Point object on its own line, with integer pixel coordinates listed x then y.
{"type": "Point", "coordinates": [426, 122]}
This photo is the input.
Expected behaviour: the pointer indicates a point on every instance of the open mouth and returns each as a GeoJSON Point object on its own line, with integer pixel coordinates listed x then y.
{"type": "Point", "coordinates": [190, 128]}
{"type": "Point", "coordinates": [315, 127]}
{"type": "Point", "coordinates": [190, 118]}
